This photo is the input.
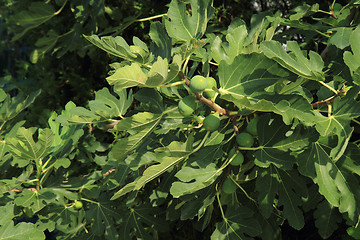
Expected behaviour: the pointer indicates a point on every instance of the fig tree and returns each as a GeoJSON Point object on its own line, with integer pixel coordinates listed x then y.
{"type": "Point", "coordinates": [239, 158]}
{"type": "Point", "coordinates": [212, 122]}
{"type": "Point", "coordinates": [187, 105]}
{"type": "Point", "coordinates": [229, 186]}
{"type": "Point", "coordinates": [245, 139]}
{"type": "Point", "coordinates": [198, 83]}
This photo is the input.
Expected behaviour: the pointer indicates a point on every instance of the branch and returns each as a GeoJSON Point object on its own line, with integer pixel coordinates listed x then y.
{"type": "Point", "coordinates": [211, 104]}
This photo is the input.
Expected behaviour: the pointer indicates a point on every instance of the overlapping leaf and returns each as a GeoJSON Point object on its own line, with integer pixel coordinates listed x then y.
{"type": "Point", "coordinates": [290, 187]}
{"type": "Point", "coordinates": [327, 219]}
{"type": "Point", "coordinates": [24, 148]}
{"type": "Point", "coordinates": [167, 157]}
{"type": "Point", "coordinates": [12, 106]}
{"type": "Point", "coordinates": [118, 47]}
{"type": "Point", "coordinates": [248, 76]}
{"type": "Point", "coordinates": [140, 126]}
{"type": "Point", "coordinates": [20, 231]}
{"type": "Point", "coordinates": [341, 37]}
{"type": "Point", "coordinates": [267, 184]}
{"type": "Point", "coordinates": [352, 60]}
{"type": "Point", "coordinates": [291, 106]}
{"type": "Point", "coordinates": [233, 47]}
{"type": "Point", "coordinates": [276, 146]}
{"type": "Point", "coordinates": [105, 107]}
{"type": "Point", "coordinates": [317, 164]}
{"type": "Point", "coordinates": [161, 45]}
{"type": "Point", "coordinates": [197, 204]}
{"type": "Point", "coordinates": [200, 172]}
{"type": "Point", "coordinates": [38, 13]}
{"type": "Point", "coordinates": [181, 25]}
{"type": "Point", "coordinates": [133, 75]}
{"type": "Point", "coordinates": [296, 62]}
{"type": "Point", "coordinates": [138, 220]}
{"type": "Point", "coordinates": [338, 122]}
{"type": "Point", "coordinates": [237, 222]}
{"type": "Point", "coordinates": [36, 200]}
{"type": "Point", "coordinates": [103, 215]}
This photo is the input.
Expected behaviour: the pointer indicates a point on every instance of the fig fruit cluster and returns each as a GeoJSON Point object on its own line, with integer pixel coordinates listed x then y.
{"type": "Point", "coordinates": [188, 105]}
{"type": "Point", "coordinates": [246, 138]}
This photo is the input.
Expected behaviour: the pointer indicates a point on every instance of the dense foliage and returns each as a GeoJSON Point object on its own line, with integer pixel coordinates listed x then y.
{"type": "Point", "coordinates": [179, 124]}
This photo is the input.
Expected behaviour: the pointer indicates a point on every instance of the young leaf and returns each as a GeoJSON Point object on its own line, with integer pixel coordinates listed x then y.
{"type": "Point", "coordinates": [295, 62]}
{"type": "Point", "coordinates": [128, 76]}
{"type": "Point", "coordinates": [183, 26]}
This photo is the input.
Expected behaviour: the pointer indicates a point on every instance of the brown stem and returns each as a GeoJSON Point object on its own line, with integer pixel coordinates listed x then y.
{"type": "Point", "coordinates": [211, 104]}
{"type": "Point", "coordinates": [204, 100]}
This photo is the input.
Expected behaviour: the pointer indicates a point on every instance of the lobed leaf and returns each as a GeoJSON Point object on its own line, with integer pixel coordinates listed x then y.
{"type": "Point", "coordinates": [20, 231]}
{"type": "Point", "coordinates": [238, 221]}
{"type": "Point", "coordinates": [327, 219]}
{"type": "Point", "coordinates": [248, 76]}
{"type": "Point", "coordinates": [332, 180]}
{"type": "Point", "coordinates": [182, 26]}
{"type": "Point", "coordinates": [295, 62]}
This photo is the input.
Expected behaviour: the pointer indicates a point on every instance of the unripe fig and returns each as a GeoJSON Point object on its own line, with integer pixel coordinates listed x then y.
{"type": "Point", "coordinates": [211, 82]}
{"type": "Point", "coordinates": [229, 186]}
{"type": "Point", "coordinates": [244, 139]}
{"type": "Point", "coordinates": [78, 204]}
{"type": "Point", "coordinates": [198, 83]}
{"type": "Point", "coordinates": [187, 105]}
{"type": "Point", "coordinates": [239, 158]}
{"type": "Point", "coordinates": [252, 126]}
{"type": "Point", "coordinates": [212, 122]}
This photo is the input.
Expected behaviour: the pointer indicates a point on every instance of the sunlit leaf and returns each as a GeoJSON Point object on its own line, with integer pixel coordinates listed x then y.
{"type": "Point", "coordinates": [184, 26]}
{"type": "Point", "coordinates": [20, 231]}
{"type": "Point", "coordinates": [296, 62]}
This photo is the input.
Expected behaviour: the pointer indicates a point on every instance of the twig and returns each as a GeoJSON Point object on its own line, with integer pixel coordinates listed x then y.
{"type": "Point", "coordinates": [211, 104]}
